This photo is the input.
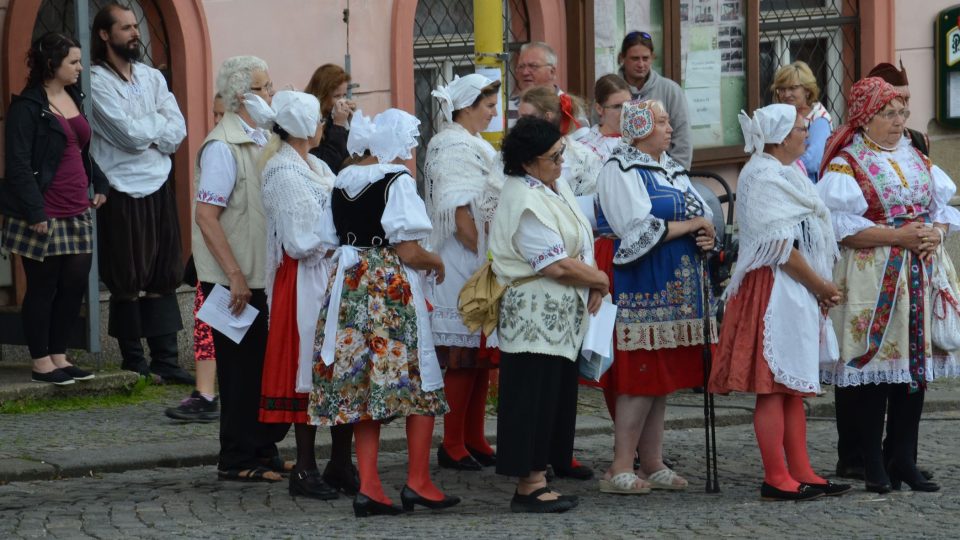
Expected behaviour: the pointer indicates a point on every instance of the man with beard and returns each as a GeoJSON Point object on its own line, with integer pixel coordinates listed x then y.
{"type": "Point", "coordinates": [137, 125]}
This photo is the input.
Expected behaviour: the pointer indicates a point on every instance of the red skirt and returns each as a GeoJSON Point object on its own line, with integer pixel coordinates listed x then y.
{"type": "Point", "coordinates": [739, 364]}
{"type": "Point", "coordinates": [641, 372]}
{"type": "Point", "coordinates": [279, 402]}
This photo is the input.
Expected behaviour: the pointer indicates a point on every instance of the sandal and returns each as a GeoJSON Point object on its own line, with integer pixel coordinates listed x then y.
{"type": "Point", "coordinates": [624, 484]}
{"type": "Point", "coordinates": [278, 465]}
{"type": "Point", "coordinates": [256, 474]}
{"type": "Point", "coordinates": [667, 479]}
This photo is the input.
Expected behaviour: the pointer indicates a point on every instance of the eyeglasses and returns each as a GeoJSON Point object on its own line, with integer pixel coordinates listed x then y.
{"type": "Point", "coordinates": [801, 129]}
{"type": "Point", "coordinates": [634, 35]}
{"type": "Point", "coordinates": [892, 114]}
{"type": "Point", "coordinates": [793, 88]}
{"type": "Point", "coordinates": [268, 87]}
{"type": "Point", "coordinates": [531, 66]}
{"type": "Point", "coordinates": [556, 156]}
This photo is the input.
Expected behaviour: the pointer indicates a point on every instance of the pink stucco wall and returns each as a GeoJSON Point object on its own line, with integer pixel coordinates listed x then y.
{"type": "Point", "coordinates": [914, 46]}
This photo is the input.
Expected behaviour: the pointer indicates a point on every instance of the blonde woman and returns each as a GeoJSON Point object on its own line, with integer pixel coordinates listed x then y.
{"type": "Point", "coordinates": [794, 84]}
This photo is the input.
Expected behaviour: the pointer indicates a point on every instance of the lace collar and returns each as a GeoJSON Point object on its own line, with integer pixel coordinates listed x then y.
{"type": "Point", "coordinates": [628, 156]}
{"type": "Point", "coordinates": [354, 178]}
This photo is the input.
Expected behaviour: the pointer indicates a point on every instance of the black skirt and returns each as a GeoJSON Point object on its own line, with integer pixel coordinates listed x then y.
{"type": "Point", "coordinates": [537, 412]}
{"type": "Point", "coordinates": [140, 243]}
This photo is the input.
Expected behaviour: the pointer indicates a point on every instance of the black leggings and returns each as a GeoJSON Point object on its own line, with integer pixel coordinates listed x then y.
{"type": "Point", "coordinates": [51, 304]}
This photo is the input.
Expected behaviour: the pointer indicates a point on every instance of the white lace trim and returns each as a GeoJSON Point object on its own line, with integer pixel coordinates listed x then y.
{"type": "Point", "coordinates": [840, 375]}
{"type": "Point", "coordinates": [447, 339]}
{"type": "Point", "coordinates": [779, 375]}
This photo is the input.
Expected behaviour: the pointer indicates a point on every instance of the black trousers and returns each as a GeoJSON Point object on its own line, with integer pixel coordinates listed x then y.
{"type": "Point", "coordinates": [536, 416]}
{"type": "Point", "coordinates": [868, 404]}
{"type": "Point", "coordinates": [51, 304]}
{"type": "Point", "coordinates": [244, 440]}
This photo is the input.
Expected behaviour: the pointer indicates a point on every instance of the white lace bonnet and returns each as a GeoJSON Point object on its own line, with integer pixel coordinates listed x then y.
{"type": "Point", "coordinates": [389, 135]}
{"type": "Point", "coordinates": [298, 113]}
{"type": "Point", "coordinates": [769, 125]}
{"type": "Point", "coordinates": [460, 93]}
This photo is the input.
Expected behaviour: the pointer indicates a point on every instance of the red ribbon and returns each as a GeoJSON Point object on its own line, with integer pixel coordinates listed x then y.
{"type": "Point", "coordinates": [566, 116]}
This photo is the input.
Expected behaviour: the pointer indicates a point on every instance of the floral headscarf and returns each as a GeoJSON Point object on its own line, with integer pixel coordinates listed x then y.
{"type": "Point", "coordinates": [867, 97]}
{"type": "Point", "coordinates": [636, 120]}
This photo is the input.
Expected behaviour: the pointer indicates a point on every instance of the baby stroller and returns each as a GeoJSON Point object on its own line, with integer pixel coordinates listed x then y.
{"type": "Point", "coordinates": [719, 267]}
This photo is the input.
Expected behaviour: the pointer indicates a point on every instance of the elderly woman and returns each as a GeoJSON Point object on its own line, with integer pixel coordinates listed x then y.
{"type": "Point", "coordinates": [794, 84]}
{"type": "Point", "coordinates": [375, 360]}
{"type": "Point", "coordinates": [890, 214]}
{"type": "Point", "coordinates": [770, 342]}
{"type": "Point", "coordinates": [610, 92]}
{"type": "Point", "coordinates": [329, 84]}
{"type": "Point", "coordinates": [542, 250]}
{"type": "Point", "coordinates": [580, 165]}
{"type": "Point", "coordinates": [458, 167]}
{"type": "Point", "coordinates": [655, 227]}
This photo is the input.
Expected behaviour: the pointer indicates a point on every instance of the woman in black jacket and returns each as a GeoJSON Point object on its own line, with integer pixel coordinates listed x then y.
{"type": "Point", "coordinates": [45, 199]}
{"type": "Point", "coordinates": [329, 84]}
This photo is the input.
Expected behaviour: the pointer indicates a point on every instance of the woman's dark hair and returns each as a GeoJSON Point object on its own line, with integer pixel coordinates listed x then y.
{"type": "Point", "coordinates": [528, 139]}
{"type": "Point", "coordinates": [46, 55]}
{"type": "Point", "coordinates": [103, 20]}
{"type": "Point", "coordinates": [485, 92]}
{"type": "Point", "coordinates": [282, 133]}
{"type": "Point", "coordinates": [609, 85]}
{"type": "Point", "coordinates": [633, 39]}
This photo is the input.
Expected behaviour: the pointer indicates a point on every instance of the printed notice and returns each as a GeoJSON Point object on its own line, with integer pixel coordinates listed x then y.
{"type": "Point", "coordinates": [216, 312]}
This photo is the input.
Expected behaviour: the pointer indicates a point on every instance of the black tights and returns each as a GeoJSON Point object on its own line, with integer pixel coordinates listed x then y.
{"type": "Point", "coordinates": [55, 289]}
{"type": "Point", "coordinates": [341, 436]}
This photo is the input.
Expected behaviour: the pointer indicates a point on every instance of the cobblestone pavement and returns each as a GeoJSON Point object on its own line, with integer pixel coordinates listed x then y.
{"type": "Point", "coordinates": [191, 503]}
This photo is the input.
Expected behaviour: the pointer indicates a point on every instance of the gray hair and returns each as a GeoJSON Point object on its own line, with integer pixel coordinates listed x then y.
{"type": "Point", "coordinates": [548, 52]}
{"type": "Point", "coordinates": [235, 77]}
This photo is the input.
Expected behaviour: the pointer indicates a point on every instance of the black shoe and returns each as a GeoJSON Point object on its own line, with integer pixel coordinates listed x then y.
{"type": "Point", "coordinates": [832, 490]}
{"type": "Point", "coordinates": [342, 478]}
{"type": "Point", "coordinates": [580, 472]}
{"type": "Point", "coordinates": [911, 476]}
{"type": "Point", "coordinates": [410, 497]}
{"type": "Point", "coordinates": [174, 375]}
{"type": "Point", "coordinates": [195, 408]}
{"type": "Point", "coordinates": [466, 463]}
{"type": "Point", "coordinates": [485, 460]}
{"type": "Point", "coordinates": [532, 505]}
{"type": "Point", "coordinates": [57, 377]}
{"type": "Point", "coordinates": [878, 487]}
{"type": "Point", "coordinates": [928, 474]}
{"type": "Point", "coordinates": [364, 506]}
{"type": "Point", "coordinates": [309, 484]}
{"type": "Point", "coordinates": [805, 492]}
{"type": "Point", "coordinates": [853, 472]}
{"type": "Point", "coordinates": [77, 373]}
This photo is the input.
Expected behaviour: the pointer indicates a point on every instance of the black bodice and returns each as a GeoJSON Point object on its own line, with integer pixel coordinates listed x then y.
{"type": "Point", "coordinates": [357, 219]}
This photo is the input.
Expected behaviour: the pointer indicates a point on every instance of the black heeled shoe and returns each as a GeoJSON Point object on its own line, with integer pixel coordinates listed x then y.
{"type": "Point", "coordinates": [911, 476]}
{"type": "Point", "coordinates": [805, 492]}
{"type": "Point", "coordinates": [364, 506]}
{"type": "Point", "coordinates": [877, 487]}
{"type": "Point", "coordinates": [343, 478]}
{"type": "Point", "coordinates": [466, 463]}
{"type": "Point", "coordinates": [409, 498]}
{"type": "Point", "coordinates": [309, 484]}
{"type": "Point", "coordinates": [485, 460]}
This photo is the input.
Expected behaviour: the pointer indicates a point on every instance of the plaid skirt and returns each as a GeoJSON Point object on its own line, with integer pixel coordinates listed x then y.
{"type": "Point", "coordinates": [64, 236]}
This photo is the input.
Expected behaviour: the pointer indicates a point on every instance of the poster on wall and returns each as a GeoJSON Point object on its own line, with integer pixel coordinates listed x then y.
{"type": "Point", "coordinates": [606, 37]}
{"type": "Point", "coordinates": [636, 16]}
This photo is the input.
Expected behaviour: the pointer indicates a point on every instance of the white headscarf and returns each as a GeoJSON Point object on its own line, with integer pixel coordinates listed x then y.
{"type": "Point", "coordinates": [460, 93]}
{"type": "Point", "coordinates": [298, 113]}
{"type": "Point", "coordinates": [769, 125]}
{"type": "Point", "coordinates": [391, 134]}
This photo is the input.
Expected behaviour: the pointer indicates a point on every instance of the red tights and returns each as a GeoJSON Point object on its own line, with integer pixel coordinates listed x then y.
{"type": "Point", "coordinates": [780, 424]}
{"type": "Point", "coordinates": [466, 391]}
{"type": "Point", "coordinates": [419, 439]}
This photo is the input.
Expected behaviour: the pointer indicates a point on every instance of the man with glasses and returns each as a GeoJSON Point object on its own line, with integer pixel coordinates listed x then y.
{"type": "Point", "coordinates": [536, 66]}
{"type": "Point", "coordinates": [636, 61]}
{"type": "Point", "coordinates": [137, 126]}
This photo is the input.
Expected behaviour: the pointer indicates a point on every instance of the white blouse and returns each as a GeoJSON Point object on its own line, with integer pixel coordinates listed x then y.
{"type": "Point", "coordinates": [220, 168]}
{"type": "Point", "coordinates": [843, 196]}
{"type": "Point", "coordinates": [540, 245]}
{"type": "Point", "coordinates": [601, 145]}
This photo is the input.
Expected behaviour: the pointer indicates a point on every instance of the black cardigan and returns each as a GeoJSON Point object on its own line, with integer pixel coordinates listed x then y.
{"type": "Point", "coordinates": [35, 143]}
{"type": "Point", "coordinates": [333, 147]}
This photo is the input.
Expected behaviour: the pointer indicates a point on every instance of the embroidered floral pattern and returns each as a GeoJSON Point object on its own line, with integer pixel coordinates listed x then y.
{"type": "Point", "coordinates": [884, 182]}
{"type": "Point", "coordinates": [862, 257]}
{"type": "Point", "coordinates": [555, 252]}
{"type": "Point", "coordinates": [539, 316]}
{"type": "Point", "coordinates": [210, 197]}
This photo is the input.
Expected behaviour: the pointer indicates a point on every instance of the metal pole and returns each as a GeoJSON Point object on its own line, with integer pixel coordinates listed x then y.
{"type": "Point", "coordinates": [82, 24]}
{"type": "Point", "coordinates": [488, 55]}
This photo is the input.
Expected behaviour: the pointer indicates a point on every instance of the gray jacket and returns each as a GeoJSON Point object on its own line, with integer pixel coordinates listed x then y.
{"type": "Point", "coordinates": [675, 100]}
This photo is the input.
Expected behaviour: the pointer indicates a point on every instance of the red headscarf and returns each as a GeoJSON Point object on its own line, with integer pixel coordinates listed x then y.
{"type": "Point", "coordinates": [867, 97]}
{"type": "Point", "coordinates": [566, 114]}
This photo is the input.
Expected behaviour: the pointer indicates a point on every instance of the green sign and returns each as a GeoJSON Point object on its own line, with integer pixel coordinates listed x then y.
{"type": "Point", "coordinates": [947, 52]}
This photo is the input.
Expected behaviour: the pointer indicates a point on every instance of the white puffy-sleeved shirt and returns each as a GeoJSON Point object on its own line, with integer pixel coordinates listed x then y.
{"type": "Point", "coordinates": [601, 145]}
{"type": "Point", "coordinates": [840, 192]}
{"type": "Point", "coordinates": [220, 168]}
{"type": "Point", "coordinates": [540, 245]}
{"type": "Point", "coordinates": [136, 126]}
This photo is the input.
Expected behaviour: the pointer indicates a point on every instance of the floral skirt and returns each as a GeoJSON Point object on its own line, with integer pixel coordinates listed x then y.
{"type": "Point", "coordinates": [375, 374]}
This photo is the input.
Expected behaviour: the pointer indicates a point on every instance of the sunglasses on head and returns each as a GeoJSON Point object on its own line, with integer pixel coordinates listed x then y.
{"type": "Point", "coordinates": [634, 35]}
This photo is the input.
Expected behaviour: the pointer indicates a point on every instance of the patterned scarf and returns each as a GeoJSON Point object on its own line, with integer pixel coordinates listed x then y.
{"type": "Point", "coordinates": [867, 97]}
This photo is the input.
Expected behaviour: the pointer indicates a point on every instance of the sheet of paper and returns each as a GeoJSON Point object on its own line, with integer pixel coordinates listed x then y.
{"type": "Point", "coordinates": [599, 338]}
{"type": "Point", "coordinates": [702, 69]}
{"type": "Point", "coordinates": [636, 16]}
{"type": "Point", "coordinates": [497, 122]}
{"type": "Point", "coordinates": [706, 122]}
{"type": "Point", "coordinates": [606, 33]}
{"type": "Point", "coordinates": [215, 311]}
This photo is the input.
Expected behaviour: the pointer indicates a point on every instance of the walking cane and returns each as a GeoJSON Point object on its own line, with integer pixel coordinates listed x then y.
{"type": "Point", "coordinates": [709, 413]}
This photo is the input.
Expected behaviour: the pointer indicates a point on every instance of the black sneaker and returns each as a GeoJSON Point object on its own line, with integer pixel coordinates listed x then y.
{"type": "Point", "coordinates": [195, 408]}
{"type": "Point", "coordinates": [77, 373]}
{"type": "Point", "coordinates": [57, 377]}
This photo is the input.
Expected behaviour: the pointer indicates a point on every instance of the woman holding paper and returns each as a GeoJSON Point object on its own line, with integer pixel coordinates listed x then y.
{"type": "Point", "coordinates": [542, 242]}
{"type": "Point", "coordinates": [654, 227]}
{"type": "Point", "coordinates": [376, 360]}
{"type": "Point", "coordinates": [458, 168]}
{"type": "Point", "coordinates": [770, 342]}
